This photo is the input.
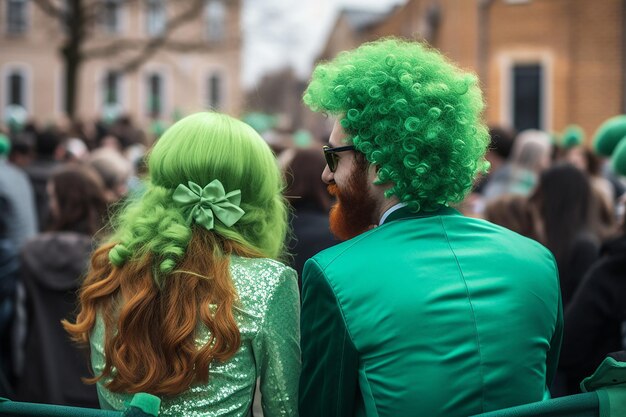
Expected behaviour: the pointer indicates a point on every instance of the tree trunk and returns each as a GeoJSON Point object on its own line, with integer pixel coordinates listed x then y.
{"type": "Point", "coordinates": [72, 54]}
{"type": "Point", "coordinates": [72, 64]}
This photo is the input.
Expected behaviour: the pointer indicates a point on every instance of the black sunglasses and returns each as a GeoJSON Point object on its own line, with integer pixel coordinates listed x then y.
{"type": "Point", "coordinates": [331, 158]}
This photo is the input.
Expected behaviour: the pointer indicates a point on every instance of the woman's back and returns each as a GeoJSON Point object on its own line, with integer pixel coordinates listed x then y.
{"type": "Point", "coordinates": [183, 302]}
{"type": "Point", "coordinates": [268, 319]}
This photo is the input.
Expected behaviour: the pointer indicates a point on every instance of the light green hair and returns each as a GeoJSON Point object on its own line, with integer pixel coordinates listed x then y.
{"type": "Point", "coordinates": [201, 148]}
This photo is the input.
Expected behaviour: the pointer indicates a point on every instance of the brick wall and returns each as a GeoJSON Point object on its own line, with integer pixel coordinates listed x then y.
{"type": "Point", "coordinates": [580, 44]}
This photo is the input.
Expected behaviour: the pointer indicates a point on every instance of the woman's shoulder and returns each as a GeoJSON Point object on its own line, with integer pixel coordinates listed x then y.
{"type": "Point", "coordinates": [259, 263]}
{"type": "Point", "coordinates": [258, 279]}
{"type": "Point", "coordinates": [261, 270]}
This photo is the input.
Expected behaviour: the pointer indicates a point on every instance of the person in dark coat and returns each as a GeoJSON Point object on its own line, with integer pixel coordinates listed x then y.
{"type": "Point", "coordinates": [9, 270]}
{"type": "Point", "coordinates": [17, 225]}
{"type": "Point", "coordinates": [53, 264]}
{"type": "Point", "coordinates": [40, 170]}
{"type": "Point", "coordinates": [595, 320]}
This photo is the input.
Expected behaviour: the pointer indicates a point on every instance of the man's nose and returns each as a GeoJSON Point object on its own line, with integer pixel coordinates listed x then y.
{"type": "Point", "coordinates": [327, 176]}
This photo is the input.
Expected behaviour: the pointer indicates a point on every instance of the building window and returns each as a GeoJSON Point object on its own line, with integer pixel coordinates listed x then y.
{"type": "Point", "coordinates": [111, 94]}
{"type": "Point", "coordinates": [16, 16]}
{"type": "Point", "coordinates": [215, 20]}
{"type": "Point", "coordinates": [155, 95]}
{"type": "Point", "coordinates": [111, 15]}
{"type": "Point", "coordinates": [155, 17]}
{"type": "Point", "coordinates": [15, 97]}
{"type": "Point", "coordinates": [17, 89]}
{"type": "Point", "coordinates": [214, 96]}
{"type": "Point", "coordinates": [112, 89]}
{"type": "Point", "coordinates": [527, 96]}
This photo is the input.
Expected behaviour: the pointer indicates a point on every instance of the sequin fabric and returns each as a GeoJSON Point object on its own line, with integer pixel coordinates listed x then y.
{"type": "Point", "coordinates": [268, 315]}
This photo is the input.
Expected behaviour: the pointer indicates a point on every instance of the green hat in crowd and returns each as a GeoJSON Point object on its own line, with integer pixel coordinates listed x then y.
{"type": "Point", "coordinates": [610, 141]}
{"type": "Point", "coordinates": [573, 136]}
{"type": "Point", "coordinates": [609, 134]}
{"type": "Point", "coordinates": [618, 161]}
{"type": "Point", "coordinates": [5, 145]}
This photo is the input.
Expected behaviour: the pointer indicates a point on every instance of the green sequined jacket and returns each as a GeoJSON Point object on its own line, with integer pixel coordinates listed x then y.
{"type": "Point", "coordinates": [268, 315]}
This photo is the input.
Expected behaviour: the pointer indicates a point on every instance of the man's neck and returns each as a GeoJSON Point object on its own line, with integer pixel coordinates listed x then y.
{"type": "Point", "coordinates": [386, 204]}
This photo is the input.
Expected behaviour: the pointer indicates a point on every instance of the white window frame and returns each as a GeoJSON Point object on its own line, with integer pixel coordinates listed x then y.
{"type": "Point", "coordinates": [148, 30]}
{"type": "Point", "coordinates": [209, 33]}
{"type": "Point", "coordinates": [26, 71]}
{"type": "Point", "coordinates": [164, 72]}
{"type": "Point", "coordinates": [208, 89]}
{"type": "Point", "coordinates": [507, 62]}
{"type": "Point", "coordinates": [26, 17]}
{"type": "Point", "coordinates": [121, 19]}
{"type": "Point", "coordinates": [100, 95]}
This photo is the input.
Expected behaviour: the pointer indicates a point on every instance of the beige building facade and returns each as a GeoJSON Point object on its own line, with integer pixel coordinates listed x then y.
{"type": "Point", "coordinates": [196, 68]}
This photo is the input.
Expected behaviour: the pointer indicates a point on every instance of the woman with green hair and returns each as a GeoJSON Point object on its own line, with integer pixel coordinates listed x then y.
{"type": "Point", "coordinates": [187, 300]}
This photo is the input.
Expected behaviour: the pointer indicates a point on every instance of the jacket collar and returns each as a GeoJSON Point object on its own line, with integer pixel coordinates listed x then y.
{"type": "Point", "coordinates": [406, 213]}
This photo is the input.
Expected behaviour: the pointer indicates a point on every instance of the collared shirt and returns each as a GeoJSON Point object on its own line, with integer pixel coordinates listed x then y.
{"type": "Point", "coordinates": [389, 211]}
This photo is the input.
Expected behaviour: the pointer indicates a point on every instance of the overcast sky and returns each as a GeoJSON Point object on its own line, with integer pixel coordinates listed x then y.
{"type": "Point", "coordinates": [279, 33]}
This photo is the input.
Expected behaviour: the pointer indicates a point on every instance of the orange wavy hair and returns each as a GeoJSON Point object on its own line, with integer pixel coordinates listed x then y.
{"type": "Point", "coordinates": [154, 348]}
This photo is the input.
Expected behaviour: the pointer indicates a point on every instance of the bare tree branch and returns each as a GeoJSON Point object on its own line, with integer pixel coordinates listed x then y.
{"type": "Point", "coordinates": [51, 10]}
{"type": "Point", "coordinates": [93, 10]}
{"type": "Point", "coordinates": [186, 46]}
{"type": "Point", "coordinates": [151, 46]}
{"type": "Point", "coordinates": [77, 18]}
{"type": "Point", "coordinates": [113, 48]}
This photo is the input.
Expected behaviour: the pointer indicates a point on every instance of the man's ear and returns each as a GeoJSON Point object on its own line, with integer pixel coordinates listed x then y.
{"type": "Point", "coordinates": [373, 173]}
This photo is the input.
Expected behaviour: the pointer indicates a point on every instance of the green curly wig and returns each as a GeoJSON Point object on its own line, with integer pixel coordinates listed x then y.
{"type": "Point", "coordinates": [200, 148]}
{"type": "Point", "coordinates": [410, 112]}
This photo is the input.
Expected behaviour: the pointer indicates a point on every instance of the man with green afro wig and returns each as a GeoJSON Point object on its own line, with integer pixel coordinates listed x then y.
{"type": "Point", "coordinates": [419, 310]}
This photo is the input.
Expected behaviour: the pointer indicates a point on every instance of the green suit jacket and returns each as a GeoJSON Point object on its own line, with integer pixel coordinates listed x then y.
{"type": "Point", "coordinates": [430, 315]}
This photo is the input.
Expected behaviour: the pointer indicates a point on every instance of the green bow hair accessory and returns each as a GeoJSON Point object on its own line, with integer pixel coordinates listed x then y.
{"type": "Point", "coordinates": [209, 201]}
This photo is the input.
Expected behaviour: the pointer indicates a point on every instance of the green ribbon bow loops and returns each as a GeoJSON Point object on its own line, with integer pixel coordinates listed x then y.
{"type": "Point", "coordinates": [209, 201]}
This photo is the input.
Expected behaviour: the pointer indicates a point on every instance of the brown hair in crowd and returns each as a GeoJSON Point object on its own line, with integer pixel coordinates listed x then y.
{"type": "Point", "coordinates": [304, 183]}
{"type": "Point", "coordinates": [515, 213]}
{"type": "Point", "coordinates": [78, 199]}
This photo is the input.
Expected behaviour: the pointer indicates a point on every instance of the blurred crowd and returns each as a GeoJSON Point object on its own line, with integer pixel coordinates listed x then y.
{"type": "Point", "coordinates": [59, 184]}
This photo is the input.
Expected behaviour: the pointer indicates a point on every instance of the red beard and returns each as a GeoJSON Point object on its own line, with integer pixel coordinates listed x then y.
{"type": "Point", "coordinates": [354, 211]}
